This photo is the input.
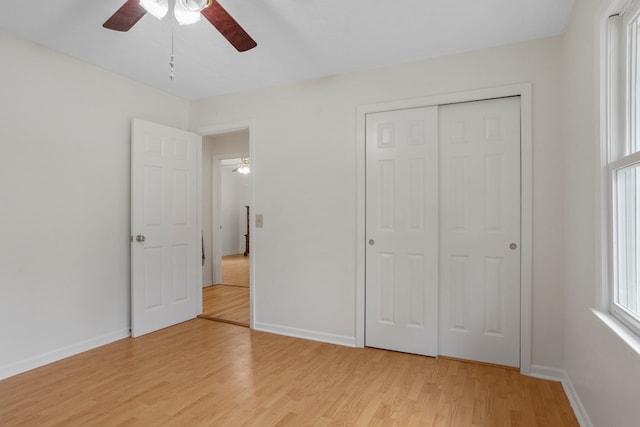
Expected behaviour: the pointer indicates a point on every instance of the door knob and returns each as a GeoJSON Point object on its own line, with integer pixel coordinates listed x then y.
{"type": "Point", "coordinates": [140, 238]}
{"type": "Point", "coordinates": [371, 241]}
{"type": "Point", "coordinates": [513, 246]}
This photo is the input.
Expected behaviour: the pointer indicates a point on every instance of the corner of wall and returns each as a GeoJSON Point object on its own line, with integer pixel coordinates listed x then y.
{"type": "Point", "coordinates": [561, 376]}
{"type": "Point", "coordinates": [575, 402]}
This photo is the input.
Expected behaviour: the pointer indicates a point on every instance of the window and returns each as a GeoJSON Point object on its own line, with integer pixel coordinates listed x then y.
{"type": "Point", "coordinates": [623, 166]}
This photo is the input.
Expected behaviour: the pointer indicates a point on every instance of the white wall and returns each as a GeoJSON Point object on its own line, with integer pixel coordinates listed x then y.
{"type": "Point", "coordinates": [603, 371]}
{"type": "Point", "coordinates": [304, 259]}
{"type": "Point", "coordinates": [64, 201]}
{"type": "Point", "coordinates": [222, 145]}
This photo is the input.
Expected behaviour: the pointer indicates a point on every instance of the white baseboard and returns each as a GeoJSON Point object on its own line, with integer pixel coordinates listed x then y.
{"type": "Point", "coordinates": [306, 334]}
{"type": "Point", "coordinates": [546, 373]}
{"type": "Point", "coordinates": [555, 374]}
{"type": "Point", "coordinates": [207, 283]}
{"type": "Point", "coordinates": [233, 253]}
{"type": "Point", "coordinates": [61, 353]}
{"type": "Point", "coordinates": [576, 403]}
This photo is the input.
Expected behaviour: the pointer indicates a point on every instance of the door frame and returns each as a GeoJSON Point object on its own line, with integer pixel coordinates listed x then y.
{"type": "Point", "coordinates": [524, 91]}
{"type": "Point", "coordinates": [217, 129]}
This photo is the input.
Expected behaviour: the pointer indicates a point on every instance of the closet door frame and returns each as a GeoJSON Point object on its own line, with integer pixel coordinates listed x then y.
{"type": "Point", "coordinates": [524, 91]}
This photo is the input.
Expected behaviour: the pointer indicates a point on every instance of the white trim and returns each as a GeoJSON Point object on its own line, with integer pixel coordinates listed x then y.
{"type": "Point", "coordinates": [360, 223]}
{"type": "Point", "coordinates": [448, 98]}
{"type": "Point", "coordinates": [526, 206]}
{"type": "Point", "coordinates": [226, 128]}
{"type": "Point", "coordinates": [620, 330]}
{"type": "Point", "coordinates": [198, 259]}
{"type": "Point", "coordinates": [343, 340]}
{"type": "Point", "coordinates": [560, 375]}
{"type": "Point", "coordinates": [231, 253]}
{"type": "Point", "coordinates": [603, 208]}
{"type": "Point", "coordinates": [575, 402]}
{"type": "Point", "coordinates": [607, 81]}
{"type": "Point", "coordinates": [61, 353]}
{"type": "Point", "coordinates": [546, 373]}
{"type": "Point", "coordinates": [525, 92]}
{"type": "Point", "coordinates": [613, 110]}
{"type": "Point", "coordinates": [625, 161]}
{"type": "Point", "coordinates": [222, 128]}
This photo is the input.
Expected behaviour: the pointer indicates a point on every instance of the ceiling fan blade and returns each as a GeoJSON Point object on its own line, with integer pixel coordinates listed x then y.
{"type": "Point", "coordinates": [228, 27]}
{"type": "Point", "coordinates": [125, 17]}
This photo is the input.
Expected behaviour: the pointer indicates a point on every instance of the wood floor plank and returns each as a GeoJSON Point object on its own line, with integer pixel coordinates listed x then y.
{"type": "Point", "coordinates": [226, 303]}
{"type": "Point", "coordinates": [202, 373]}
{"type": "Point", "coordinates": [235, 270]}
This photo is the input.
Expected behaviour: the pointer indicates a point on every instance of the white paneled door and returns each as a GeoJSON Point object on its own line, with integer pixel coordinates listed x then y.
{"type": "Point", "coordinates": [480, 231]}
{"type": "Point", "coordinates": [165, 246]}
{"type": "Point", "coordinates": [443, 230]}
{"type": "Point", "coordinates": [402, 230]}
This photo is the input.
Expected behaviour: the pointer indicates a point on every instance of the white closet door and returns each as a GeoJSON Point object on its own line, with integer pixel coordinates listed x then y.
{"type": "Point", "coordinates": [402, 230]}
{"type": "Point", "coordinates": [479, 315]}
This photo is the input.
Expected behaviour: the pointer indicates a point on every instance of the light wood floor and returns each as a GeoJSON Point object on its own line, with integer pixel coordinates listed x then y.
{"type": "Point", "coordinates": [226, 303]}
{"type": "Point", "coordinates": [202, 373]}
{"type": "Point", "coordinates": [229, 302]}
{"type": "Point", "coordinates": [235, 270]}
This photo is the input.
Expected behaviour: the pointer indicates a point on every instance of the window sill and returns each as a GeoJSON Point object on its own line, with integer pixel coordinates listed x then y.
{"type": "Point", "coordinates": [624, 334]}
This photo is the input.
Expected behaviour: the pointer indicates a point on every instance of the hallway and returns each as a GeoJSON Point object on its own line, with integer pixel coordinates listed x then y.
{"type": "Point", "coordinates": [229, 302]}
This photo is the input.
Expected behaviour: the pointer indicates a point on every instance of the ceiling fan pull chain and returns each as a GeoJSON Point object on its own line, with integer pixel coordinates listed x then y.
{"type": "Point", "coordinates": [171, 59]}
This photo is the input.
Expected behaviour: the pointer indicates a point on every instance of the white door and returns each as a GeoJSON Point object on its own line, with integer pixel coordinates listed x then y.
{"type": "Point", "coordinates": [480, 231]}
{"type": "Point", "coordinates": [402, 230]}
{"type": "Point", "coordinates": [165, 247]}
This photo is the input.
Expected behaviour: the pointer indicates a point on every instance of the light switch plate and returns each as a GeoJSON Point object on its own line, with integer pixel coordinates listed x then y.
{"type": "Point", "coordinates": [258, 220]}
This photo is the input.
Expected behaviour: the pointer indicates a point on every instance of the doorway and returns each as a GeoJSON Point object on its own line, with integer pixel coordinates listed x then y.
{"type": "Point", "coordinates": [227, 200]}
{"type": "Point", "coordinates": [377, 304]}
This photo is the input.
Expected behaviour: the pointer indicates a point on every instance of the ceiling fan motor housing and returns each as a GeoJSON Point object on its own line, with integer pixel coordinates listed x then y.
{"type": "Point", "coordinates": [195, 5]}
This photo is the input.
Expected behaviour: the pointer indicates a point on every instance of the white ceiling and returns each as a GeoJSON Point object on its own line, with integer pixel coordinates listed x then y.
{"type": "Point", "coordinates": [297, 39]}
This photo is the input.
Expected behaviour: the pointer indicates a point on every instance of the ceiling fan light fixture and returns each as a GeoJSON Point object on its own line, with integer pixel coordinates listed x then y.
{"type": "Point", "coordinates": [243, 166]}
{"type": "Point", "coordinates": [157, 8]}
{"type": "Point", "coordinates": [193, 5]}
{"type": "Point", "coordinates": [133, 10]}
{"type": "Point", "coordinates": [184, 16]}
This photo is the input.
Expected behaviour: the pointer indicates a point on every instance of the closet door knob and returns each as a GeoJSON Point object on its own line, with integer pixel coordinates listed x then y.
{"type": "Point", "coordinates": [140, 238]}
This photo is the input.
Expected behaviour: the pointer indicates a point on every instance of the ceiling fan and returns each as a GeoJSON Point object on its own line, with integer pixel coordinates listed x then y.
{"type": "Point", "coordinates": [243, 166]}
{"type": "Point", "coordinates": [186, 12]}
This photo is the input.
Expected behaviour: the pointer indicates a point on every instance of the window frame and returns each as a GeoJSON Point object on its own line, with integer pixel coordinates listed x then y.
{"type": "Point", "coordinates": [623, 124]}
